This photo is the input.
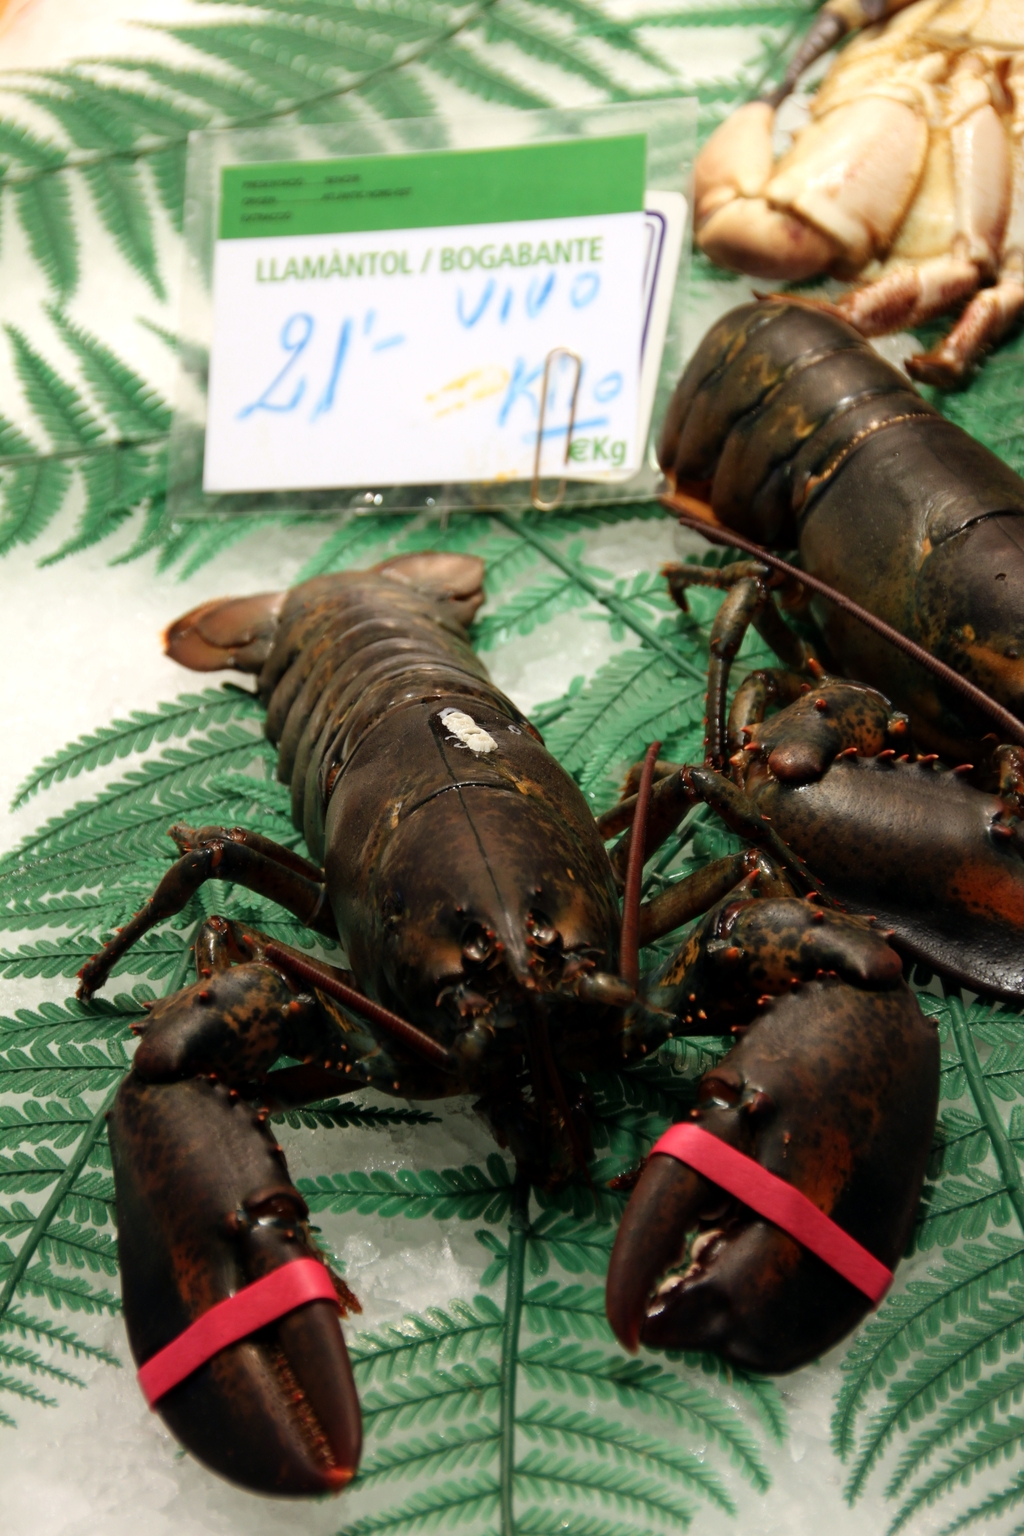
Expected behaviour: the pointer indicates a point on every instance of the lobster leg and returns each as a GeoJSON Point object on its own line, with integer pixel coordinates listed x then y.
{"type": "Point", "coordinates": [672, 797]}
{"type": "Point", "coordinates": [217, 853]}
{"type": "Point", "coordinates": [688, 898]}
{"type": "Point", "coordinates": [759, 690]}
{"type": "Point", "coordinates": [206, 1208]}
{"type": "Point", "coordinates": [749, 600]}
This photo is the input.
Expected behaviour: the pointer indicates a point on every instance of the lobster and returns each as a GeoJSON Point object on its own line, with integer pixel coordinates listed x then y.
{"type": "Point", "coordinates": [902, 510]}
{"type": "Point", "coordinates": [788, 430]}
{"type": "Point", "coordinates": [465, 877]}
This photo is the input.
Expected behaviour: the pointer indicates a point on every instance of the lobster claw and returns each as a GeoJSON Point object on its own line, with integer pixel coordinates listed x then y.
{"type": "Point", "coordinates": [692, 1270]}
{"type": "Point", "coordinates": [205, 1208]}
{"type": "Point", "coordinates": [832, 1091]}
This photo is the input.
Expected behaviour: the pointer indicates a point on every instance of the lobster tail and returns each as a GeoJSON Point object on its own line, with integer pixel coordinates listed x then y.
{"type": "Point", "coordinates": [233, 632]}
{"type": "Point", "coordinates": [769, 409]}
{"type": "Point", "coordinates": [799, 434]}
{"type": "Point", "coordinates": [240, 632]}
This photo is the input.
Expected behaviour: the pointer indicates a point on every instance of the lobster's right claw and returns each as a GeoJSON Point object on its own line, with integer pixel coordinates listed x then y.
{"type": "Point", "coordinates": [693, 1269]}
{"type": "Point", "coordinates": [832, 1091]}
{"type": "Point", "coordinates": [205, 1208]}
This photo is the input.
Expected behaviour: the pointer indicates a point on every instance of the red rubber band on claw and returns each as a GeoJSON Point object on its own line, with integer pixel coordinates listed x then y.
{"type": "Point", "coordinates": [263, 1302]}
{"type": "Point", "coordinates": [778, 1202]}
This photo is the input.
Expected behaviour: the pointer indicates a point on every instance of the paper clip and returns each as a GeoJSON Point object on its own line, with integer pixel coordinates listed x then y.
{"type": "Point", "coordinates": [535, 497]}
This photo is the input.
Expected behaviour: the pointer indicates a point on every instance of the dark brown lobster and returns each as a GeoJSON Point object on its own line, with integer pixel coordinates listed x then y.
{"type": "Point", "coordinates": [467, 881]}
{"type": "Point", "coordinates": [799, 433]}
{"type": "Point", "coordinates": [789, 430]}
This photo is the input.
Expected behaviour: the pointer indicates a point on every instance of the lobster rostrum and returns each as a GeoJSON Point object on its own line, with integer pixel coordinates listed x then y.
{"type": "Point", "coordinates": [788, 430]}
{"type": "Point", "coordinates": [463, 873]}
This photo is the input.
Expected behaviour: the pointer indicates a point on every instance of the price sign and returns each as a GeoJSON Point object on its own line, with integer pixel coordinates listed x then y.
{"type": "Point", "coordinates": [393, 319]}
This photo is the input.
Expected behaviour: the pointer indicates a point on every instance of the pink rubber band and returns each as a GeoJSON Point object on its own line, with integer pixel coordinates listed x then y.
{"type": "Point", "coordinates": [263, 1302]}
{"type": "Point", "coordinates": [779, 1202]}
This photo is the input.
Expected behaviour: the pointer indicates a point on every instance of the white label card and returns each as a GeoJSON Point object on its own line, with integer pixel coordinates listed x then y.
{"type": "Point", "coordinates": [413, 352]}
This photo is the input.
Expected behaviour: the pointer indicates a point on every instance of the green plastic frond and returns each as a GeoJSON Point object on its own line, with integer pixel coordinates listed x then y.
{"type": "Point", "coordinates": [137, 810]}
{"type": "Point", "coordinates": [998, 1503]}
{"type": "Point", "coordinates": [468, 1193]}
{"type": "Point", "coordinates": [473, 1443]}
{"type": "Point", "coordinates": [32, 495]}
{"type": "Point", "coordinates": [527, 610]}
{"type": "Point", "coordinates": [643, 1454]}
{"type": "Point", "coordinates": [421, 1343]}
{"type": "Point", "coordinates": [565, 1311]}
{"type": "Point", "coordinates": [530, 29]}
{"type": "Point", "coordinates": [551, 1475]}
{"type": "Point", "coordinates": [970, 1408]}
{"type": "Point", "coordinates": [638, 1384]}
{"type": "Point", "coordinates": [182, 716]}
{"type": "Point", "coordinates": [27, 1391]}
{"type": "Point", "coordinates": [133, 405]}
{"type": "Point", "coordinates": [45, 213]}
{"type": "Point", "coordinates": [357, 542]}
{"type": "Point", "coordinates": [444, 1507]}
{"type": "Point", "coordinates": [45, 1331]}
{"type": "Point", "coordinates": [13, 443]}
{"type": "Point", "coordinates": [469, 69]}
{"type": "Point", "coordinates": [578, 1249]}
{"type": "Point", "coordinates": [549, 1520]}
{"type": "Point", "coordinates": [70, 1291]}
{"type": "Point", "coordinates": [417, 1402]}
{"type": "Point", "coordinates": [68, 1243]}
{"type": "Point", "coordinates": [58, 405]}
{"type": "Point", "coordinates": [343, 1115]}
{"type": "Point", "coordinates": [961, 1208]}
{"type": "Point", "coordinates": [993, 1444]}
{"type": "Point", "coordinates": [18, 1356]}
{"type": "Point", "coordinates": [937, 1370]}
{"type": "Point", "coordinates": [58, 1122]}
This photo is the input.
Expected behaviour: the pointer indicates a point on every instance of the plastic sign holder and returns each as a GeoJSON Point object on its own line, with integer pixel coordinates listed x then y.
{"type": "Point", "coordinates": [492, 320]}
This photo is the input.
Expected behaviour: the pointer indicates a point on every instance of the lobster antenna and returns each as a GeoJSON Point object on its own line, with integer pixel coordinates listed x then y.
{"type": "Point", "coordinates": [324, 979]}
{"type": "Point", "coordinates": [1012, 728]}
{"type": "Point", "coordinates": [629, 949]}
{"type": "Point", "coordinates": [561, 1102]}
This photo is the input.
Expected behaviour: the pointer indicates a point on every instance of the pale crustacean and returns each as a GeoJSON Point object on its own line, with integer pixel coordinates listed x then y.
{"type": "Point", "coordinates": [909, 174]}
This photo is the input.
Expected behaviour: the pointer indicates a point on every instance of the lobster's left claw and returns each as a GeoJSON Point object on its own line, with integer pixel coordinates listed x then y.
{"type": "Point", "coordinates": [205, 1209]}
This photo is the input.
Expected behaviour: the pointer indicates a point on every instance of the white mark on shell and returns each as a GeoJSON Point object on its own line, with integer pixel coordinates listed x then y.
{"type": "Point", "coordinates": [465, 729]}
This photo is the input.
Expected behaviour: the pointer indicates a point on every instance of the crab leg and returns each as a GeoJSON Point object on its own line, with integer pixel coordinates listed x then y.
{"type": "Point", "coordinates": [994, 311]}
{"type": "Point", "coordinates": [832, 22]}
{"type": "Point", "coordinates": [910, 294]}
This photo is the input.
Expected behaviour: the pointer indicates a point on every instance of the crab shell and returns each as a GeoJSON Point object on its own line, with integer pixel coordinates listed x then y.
{"type": "Point", "coordinates": [910, 172]}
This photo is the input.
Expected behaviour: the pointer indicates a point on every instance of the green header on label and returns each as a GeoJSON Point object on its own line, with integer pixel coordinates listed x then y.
{"type": "Point", "coordinates": [480, 186]}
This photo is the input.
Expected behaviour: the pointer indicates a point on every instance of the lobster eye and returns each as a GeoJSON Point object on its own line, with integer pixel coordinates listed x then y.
{"type": "Point", "coordinates": [477, 944]}
{"type": "Point", "coordinates": [540, 931]}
